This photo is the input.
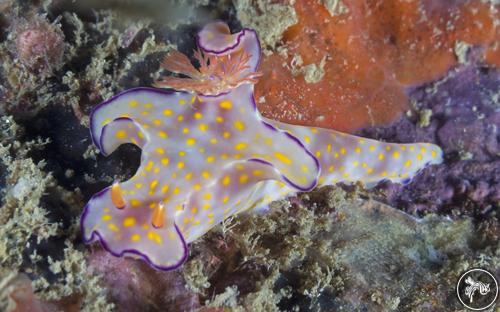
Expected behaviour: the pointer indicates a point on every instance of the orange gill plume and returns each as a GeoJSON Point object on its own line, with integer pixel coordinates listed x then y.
{"type": "Point", "coordinates": [216, 73]}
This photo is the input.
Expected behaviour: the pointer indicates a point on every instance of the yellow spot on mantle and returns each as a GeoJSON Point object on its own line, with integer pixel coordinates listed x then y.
{"type": "Point", "coordinates": [128, 222]}
{"type": "Point", "coordinates": [106, 217]}
{"type": "Point", "coordinates": [135, 202]}
{"type": "Point", "coordinates": [226, 104]}
{"type": "Point", "coordinates": [165, 188]}
{"type": "Point", "coordinates": [283, 158]}
{"type": "Point", "coordinates": [113, 227]}
{"type": "Point", "coordinates": [165, 161]}
{"type": "Point", "coordinates": [203, 127]}
{"type": "Point", "coordinates": [257, 173]}
{"type": "Point", "coordinates": [160, 150]}
{"type": "Point", "coordinates": [154, 237]}
{"type": "Point", "coordinates": [121, 134]}
{"type": "Point", "coordinates": [239, 125]}
{"type": "Point", "coordinates": [162, 134]}
{"type": "Point", "coordinates": [243, 179]}
{"type": "Point", "coordinates": [240, 146]}
{"type": "Point", "coordinates": [153, 184]}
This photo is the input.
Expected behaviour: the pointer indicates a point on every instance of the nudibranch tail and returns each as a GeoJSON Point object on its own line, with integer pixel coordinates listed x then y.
{"type": "Point", "coordinates": [345, 157]}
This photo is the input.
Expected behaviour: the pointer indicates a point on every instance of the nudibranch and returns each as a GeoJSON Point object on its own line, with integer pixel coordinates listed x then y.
{"type": "Point", "coordinates": [208, 154]}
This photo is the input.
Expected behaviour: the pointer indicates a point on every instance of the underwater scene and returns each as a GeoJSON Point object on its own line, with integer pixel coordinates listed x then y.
{"type": "Point", "coordinates": [249, 155]}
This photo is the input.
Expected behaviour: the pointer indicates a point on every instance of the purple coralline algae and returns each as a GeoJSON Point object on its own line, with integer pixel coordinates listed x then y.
{"type": "Point", "coordinates": [463, 119]}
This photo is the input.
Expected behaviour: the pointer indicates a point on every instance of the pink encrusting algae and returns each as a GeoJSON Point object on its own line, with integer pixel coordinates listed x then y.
{"type": "Point", "coordinates": [208, 154]}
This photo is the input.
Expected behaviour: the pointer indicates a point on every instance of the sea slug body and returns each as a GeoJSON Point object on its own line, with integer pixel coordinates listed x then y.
{"type": "Point", "coordinates": [208, 154]}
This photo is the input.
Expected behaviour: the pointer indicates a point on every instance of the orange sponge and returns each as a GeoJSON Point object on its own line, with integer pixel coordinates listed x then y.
{"type": "Point", "coordinates": [371, 54]}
